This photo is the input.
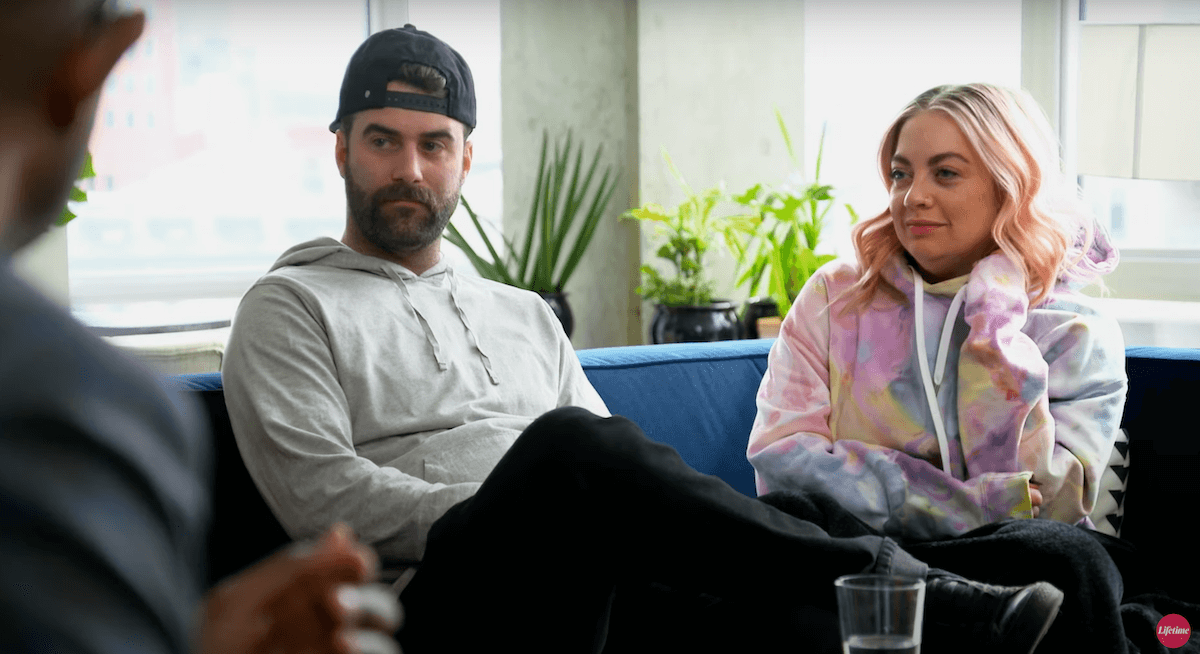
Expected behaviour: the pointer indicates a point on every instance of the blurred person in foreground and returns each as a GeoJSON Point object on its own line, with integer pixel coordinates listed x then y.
{"type": "Point", "coordinates": [104, 474]}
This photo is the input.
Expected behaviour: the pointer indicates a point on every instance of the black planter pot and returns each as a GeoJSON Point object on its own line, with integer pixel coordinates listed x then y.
{"type": "Point", "coordinates": [558, 304]}
{"type": "Point", "coordinates": [715, 322]}
{"type": "Point", "coordinates": [758, 307]}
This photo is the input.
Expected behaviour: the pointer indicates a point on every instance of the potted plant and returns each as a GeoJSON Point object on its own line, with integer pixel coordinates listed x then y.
{"type": "Point", "coordinates": [545, 260]}
{"type": "Point", "coordinates": [685, 310]}
{"type": "Point", "coordinates": [781, 248]}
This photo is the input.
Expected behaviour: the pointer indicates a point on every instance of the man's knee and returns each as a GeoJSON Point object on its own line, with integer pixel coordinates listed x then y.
{"type": "Point", "coordinates": [574, 429]}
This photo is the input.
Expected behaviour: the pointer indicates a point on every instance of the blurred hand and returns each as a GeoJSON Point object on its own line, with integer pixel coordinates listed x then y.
{"type": "Point", "coordinates": [1035, 498]}
{"type": "Point", "coordinates": [312, 598]}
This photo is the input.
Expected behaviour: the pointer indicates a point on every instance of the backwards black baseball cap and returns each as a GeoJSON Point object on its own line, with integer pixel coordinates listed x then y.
{"type": "Point", "coordinates": [377, 62]}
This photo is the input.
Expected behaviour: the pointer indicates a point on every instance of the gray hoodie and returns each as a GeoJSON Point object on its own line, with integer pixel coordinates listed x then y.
{"type": "Point", "coordinates": [359, 391]}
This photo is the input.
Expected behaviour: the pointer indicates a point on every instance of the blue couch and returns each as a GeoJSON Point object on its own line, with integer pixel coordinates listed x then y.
{"type": "Point", "coordinates": [699, 398]}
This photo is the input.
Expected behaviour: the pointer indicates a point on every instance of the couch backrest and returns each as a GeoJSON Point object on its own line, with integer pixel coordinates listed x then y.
{"type": "Point", "coordinates": [1163, 485]}
{"type": "Point", "coordinates": [696, 397]}
{"type": "Point", "coordinates": [699, 398]}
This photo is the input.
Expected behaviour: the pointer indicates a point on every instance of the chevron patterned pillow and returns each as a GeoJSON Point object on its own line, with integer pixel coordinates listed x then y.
{"type": "Point", "coordinates": [1110, 505]}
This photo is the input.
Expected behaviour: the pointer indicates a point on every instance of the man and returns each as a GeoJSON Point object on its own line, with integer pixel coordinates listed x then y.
{"type": "Point", "coordinates": [103, 474]}
{"type": "Point", "coordinates": [447, 419]}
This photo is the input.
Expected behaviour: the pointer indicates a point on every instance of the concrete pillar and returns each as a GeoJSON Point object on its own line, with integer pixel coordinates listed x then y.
{"type": "Point", "coordinates": [573, 65]}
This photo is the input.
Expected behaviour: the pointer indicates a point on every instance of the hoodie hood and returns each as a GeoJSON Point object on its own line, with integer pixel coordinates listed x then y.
{"type": "Point", "coordinates": [1100, 259]}
{"type": "Point", "coordinates": [330, 252]}
{"type": "Point", "coordinates": [326, 251]}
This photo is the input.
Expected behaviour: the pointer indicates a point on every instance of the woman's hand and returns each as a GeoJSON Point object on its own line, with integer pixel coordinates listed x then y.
{"type": "Point", "coordinates": [312, 598]}
{"type": "Point", "coordinates": [1035, 498]}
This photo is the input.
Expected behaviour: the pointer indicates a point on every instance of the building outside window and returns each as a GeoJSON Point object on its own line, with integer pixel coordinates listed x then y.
{"type": "Point", "coordinates": [234, 162]}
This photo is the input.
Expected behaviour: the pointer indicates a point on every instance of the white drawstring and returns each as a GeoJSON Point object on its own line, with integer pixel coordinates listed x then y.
{"type": "Point", "coordinates": [947, 328]}
{"type": "Point", "coordinates": [932, 382]}
{"type": "Point", "coordinates": [430, 336]}
{"type": "Point", "coordinates": [462, 315]}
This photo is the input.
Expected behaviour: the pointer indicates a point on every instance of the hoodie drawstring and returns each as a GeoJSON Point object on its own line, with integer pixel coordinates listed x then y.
{"type": "Point", "coordinates": [462, 315]}
{"type": "Point", "coordinates": [934, 381]}
{"type": "Point", "coordinates": [429, 333]}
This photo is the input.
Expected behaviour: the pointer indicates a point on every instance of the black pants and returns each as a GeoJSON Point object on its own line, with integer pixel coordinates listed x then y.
{"type": "Point", "coordinates": [583, 511]}
{"type": "Point", "coordinates": [587, 536]}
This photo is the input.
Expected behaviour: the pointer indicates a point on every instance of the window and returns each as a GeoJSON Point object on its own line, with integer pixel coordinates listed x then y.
{"type": "Point", "coordinates": [233, 162]}
{"type": "Point", "coordinates": [208, 185]}
{"type": "Point", "coordinates": [891, 52]}
{"type": "Point", "coordinates": [1130, 86]}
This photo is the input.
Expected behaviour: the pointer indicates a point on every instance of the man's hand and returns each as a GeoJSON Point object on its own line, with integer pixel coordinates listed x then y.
{"type": "Point", "coordinates": [1035, 498]}
{"type": "Point", "coordinates": [313, 598]}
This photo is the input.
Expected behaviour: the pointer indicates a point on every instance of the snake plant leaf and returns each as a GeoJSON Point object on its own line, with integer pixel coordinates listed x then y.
{"type": "Point", "coordinates": [595, 213]}
{"type": "Point", "coordinates": [494, 269]}
{"type": "Point", "coordinates": [538, 192]}
{"type": "Point", "coordinates": [501, 271]}
{"type": "Point", "coordinates": [558, 231]}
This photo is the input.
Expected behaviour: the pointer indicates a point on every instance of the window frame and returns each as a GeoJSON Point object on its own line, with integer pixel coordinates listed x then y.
{"type": "Point", "coordinates": [1143, 273]}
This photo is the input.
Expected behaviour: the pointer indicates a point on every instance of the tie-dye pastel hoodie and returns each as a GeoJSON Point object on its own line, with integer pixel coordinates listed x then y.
{"type": "Point", "coordinates": [1024, 395]}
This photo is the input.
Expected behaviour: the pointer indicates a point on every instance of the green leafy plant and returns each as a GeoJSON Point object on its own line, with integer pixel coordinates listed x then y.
{"type": "Point", "coordinates": [563, 192]}
{"type": "Point", "coordinates": [689, 230]}
{"type": "Point", "coordinates": [788, 220]}
{"type": "Point", "coordinates": [77, 194]}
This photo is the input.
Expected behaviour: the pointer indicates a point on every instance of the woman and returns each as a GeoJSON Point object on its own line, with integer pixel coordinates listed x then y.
{"type": "Point", "coordinates": [955, 377]}
{"type": "Point", "coordinates": [954, 381]}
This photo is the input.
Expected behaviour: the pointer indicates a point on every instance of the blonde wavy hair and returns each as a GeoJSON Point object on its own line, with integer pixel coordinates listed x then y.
{"type": "Point", "coordinates": [1042, 225]}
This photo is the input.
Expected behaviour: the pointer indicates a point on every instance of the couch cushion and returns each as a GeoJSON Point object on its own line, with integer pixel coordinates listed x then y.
{"type": "Point", "coordinates": [1164, 457]}
{"type": "Point", "coordinates": [656, 386]}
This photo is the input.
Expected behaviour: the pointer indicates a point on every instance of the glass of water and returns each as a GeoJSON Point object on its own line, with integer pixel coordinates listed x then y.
{"type": "Point", "coordinates": [880, 613]}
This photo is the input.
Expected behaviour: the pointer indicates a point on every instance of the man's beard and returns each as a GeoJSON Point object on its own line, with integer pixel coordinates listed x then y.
{"type": "Point", "coordinates": [398, 229]}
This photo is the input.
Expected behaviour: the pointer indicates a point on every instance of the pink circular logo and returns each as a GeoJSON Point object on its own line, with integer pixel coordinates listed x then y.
{"type": "Point", "coordinates": [1174, 630]}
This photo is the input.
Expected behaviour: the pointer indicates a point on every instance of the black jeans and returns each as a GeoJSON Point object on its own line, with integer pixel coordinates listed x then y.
{"type": "Point", "coordinates": [589, 537]}
{"type": "Point", "coordinates": [589, 534]}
